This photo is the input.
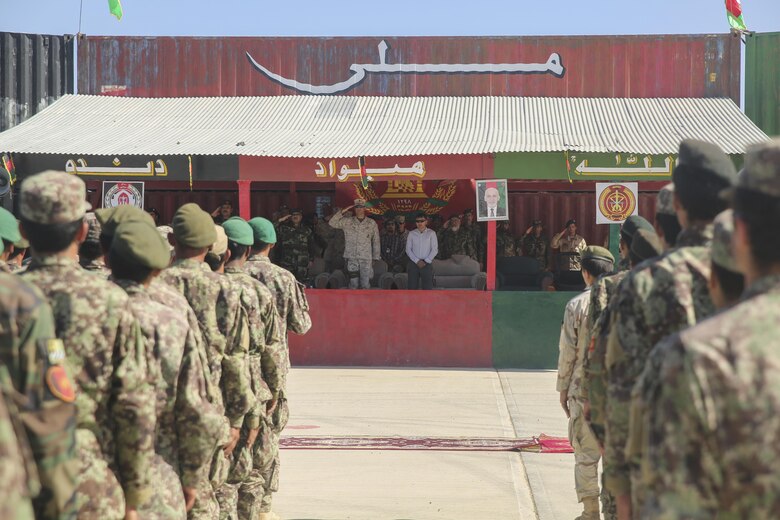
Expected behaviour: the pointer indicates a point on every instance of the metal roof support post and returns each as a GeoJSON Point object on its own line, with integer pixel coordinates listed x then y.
{"type": "Point", "coordinates": [244, 199]}
{"type": "Point", "coordinates": [491, 255]}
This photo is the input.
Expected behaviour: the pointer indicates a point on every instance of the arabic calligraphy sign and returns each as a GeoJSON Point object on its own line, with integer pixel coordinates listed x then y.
{"type": "Point", "coordinates": [553, 66]}
{"type": "Point", "coordinates": [346, 173]}
{"type": "Point", "coordinates": [616, 202]}
{"type": "Point", "coordinates": [156, 168]}
{"type": "Point", "coordinates": [624, 165]}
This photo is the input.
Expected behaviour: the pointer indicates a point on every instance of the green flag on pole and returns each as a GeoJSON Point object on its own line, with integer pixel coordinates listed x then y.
{"type": "Point", "coordinates": [734, 14]}
{"type": "Point", "coordinates": [115, 7]}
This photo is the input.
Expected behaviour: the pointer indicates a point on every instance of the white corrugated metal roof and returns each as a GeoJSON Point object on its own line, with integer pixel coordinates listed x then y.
{"type": "Point", "coordinates": [348, 126]}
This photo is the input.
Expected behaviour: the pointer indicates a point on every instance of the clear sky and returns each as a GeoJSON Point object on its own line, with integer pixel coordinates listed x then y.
{"type": "Point", "coordinates": [388, 18]}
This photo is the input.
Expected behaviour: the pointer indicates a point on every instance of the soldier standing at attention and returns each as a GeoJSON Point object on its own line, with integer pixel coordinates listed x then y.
{"type": "Point", "coordinates": [103, 349]}
{"type": "Point", "coordinates": [224, 332]}
{"type": "Point", "coordinates": [475, 242]}
{"type": "Point", "coordinates": [39, 396]}
{"type": "Point", "coordinates": [90, 251]}
{"type": "Point", "coordinates": [267, 362]}
{"type": "Point", "coordinates": [293, 309]}
{"type": "Point", "coordinates": [662, 297]}
{"type": "Point", "coordinates": [571, 244]}
{"type": "Point", "coordinates": [362, 246]}
{"type": "Point", "coordinates": [297, 243]}
{"type": "Point", "coordinates": [506, 244]}
{"type": "Point", "coordinates": [711, 440]}
{"type": "Point", "coordinates": [575, 337]}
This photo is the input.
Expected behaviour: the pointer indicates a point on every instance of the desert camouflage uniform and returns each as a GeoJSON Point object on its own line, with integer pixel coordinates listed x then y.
{"type": "Point", "coordinates": [29, 352]}
{"type": "Point", "coordinates": [268, 366]}
{"type": "Point", "coordinates": [115, 402]}
{"type": "Point", "coordinates": [225, 335]}
{"type": "Point", "coordinates": [361, 247]}
{"type": "Point", "coordinates": [296, 249]}
{"type": "Point", "coordinates": [293, 310]}
{"type": "Point", "coordinates": [460, 242]}
{"type": "Point", "coordinates": [575, 337]}
{"type": "Point", "coordinates": [536, 247]}
{"type": "Point", "coordinates": [709, 430]}
{"type": "Point", "coordinates": [570, 244]}
{"type": "Point", "coordinates": [659, 297]}
{"type": "Point", "coordinates": [187, 434]}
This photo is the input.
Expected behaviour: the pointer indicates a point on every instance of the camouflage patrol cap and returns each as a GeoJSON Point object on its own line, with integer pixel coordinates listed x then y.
{"type": "Point", "coordinates": [645, 245]}
{"type": "Point", "coordinates": [720, 250]}
{"type": "Point", "coordinates": [9, 227]}
{"type": "Point", "coordinates": [239, 231]}
{"type": "Point", "coordinates": [220, 245]}
{"type": "Point", "coordinates": [762, 169]}
{"type": "Point", "coordinates": [139, 242]}
{"type": "Point", "coordinates": [664, 204]}
{"type": "Point", "coordinates": [164, 231]}
{"type": "Point", "coordinates": [93, 235]}
{"type": "Point", "coordinates": [598, 253]}
{"type": "Point", "coordinates": [110, 218]}
{"type": "Point", "coordinates": [700, 157]}
{"type": "Point", "coordinates": [263, 230]}
{"type": "Point", "coordinates": [53, 197]}
{"type": "Point", "coordinates": [193, 227]}
{"type": "Point", "coordinates": [633, 224]}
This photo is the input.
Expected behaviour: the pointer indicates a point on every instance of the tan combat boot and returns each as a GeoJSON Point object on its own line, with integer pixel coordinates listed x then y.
{"type": "Point", "coordinates": [590, 509]}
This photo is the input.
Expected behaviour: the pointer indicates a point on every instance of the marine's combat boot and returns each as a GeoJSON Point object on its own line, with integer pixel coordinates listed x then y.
{"type": "Point", "coordinates": [590, 509]}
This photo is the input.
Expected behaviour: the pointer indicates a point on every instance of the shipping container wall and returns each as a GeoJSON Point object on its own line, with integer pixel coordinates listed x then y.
{"type": "Point", "coordinates": [576, 66]}
{"type": "Point", "coordinates": [762, 81]}
{"type": "Point", "coordinates": [35, 70]}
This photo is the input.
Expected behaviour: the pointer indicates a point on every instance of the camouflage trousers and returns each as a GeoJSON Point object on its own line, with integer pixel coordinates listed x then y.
{"type": "Point", "coordinates": [241, 462]}
{"type": "Point", "coordinates": [297, 263]}
{"type": "Point", "coordinates": [99, 495]}
{"type": "Point", "coordinates": [359, 271]}
{"type": "Point", "coordinates": [586, 453]}
{"type": "Point", "coordinates": [206, 505]}
{"type": "Point", "coordinates": [256, 492]}
{"type": "Point", "coordinates": [608, 503]}
{"type": "Point", "coordinates": [167, 501]}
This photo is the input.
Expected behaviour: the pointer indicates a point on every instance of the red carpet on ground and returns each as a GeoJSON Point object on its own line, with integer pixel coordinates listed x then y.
{"type": "Point", "coordinates": [543, 443]}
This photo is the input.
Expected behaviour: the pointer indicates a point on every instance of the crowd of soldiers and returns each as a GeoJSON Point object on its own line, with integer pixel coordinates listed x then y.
{"type": "Point", "coordinates": [143, 370]}
{"type": "Point", "coordinates": [668, 367]}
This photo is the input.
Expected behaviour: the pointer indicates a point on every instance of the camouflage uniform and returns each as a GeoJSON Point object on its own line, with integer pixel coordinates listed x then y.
{"type": "Point", "coordinates": [460, 242]}
{"type": "Point", "coordinates": [506, 244]}
{"type": "Point", "coordinates": [569, 244]}
{"type": "Point", "coordinates": [475, 242]}
{"type": "Point", "coordinates": [18, 474]}
{"type": "Point", "coordinates": [116, 419]}
{"type": "Point", "coordinates": [575, 337]}
{"type": "Point", "coordinates": [293, 310]}
{"type": "Point", "coordinates": [185, 442]}
{"type": "Point", "coordinates": [659, 297]}
{"type": "Point", "coordinates": [536, 247]}
{"type": "Point", "coordinates": [96, 265]}
{"type": "Point", "coordinates": [39, 405]}
{"type": "Point", "coordinates": [268, 366]}
{"type": "Point", "coordinates": [334, 252]}
{"type": "Point", "coordinates": [225, 335]}
{"type": "Point", "coordinates": [361, 247]}
{"type": "Point", "coordinates": [296, 245]}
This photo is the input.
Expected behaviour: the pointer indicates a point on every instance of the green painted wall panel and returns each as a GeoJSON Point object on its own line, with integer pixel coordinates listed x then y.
{"type": "Point", "coordinates": [762, 81]}
{"type": "Point", "coordinates": [595, 166]}
{"type": "Point", "coordinates": [526, 328]}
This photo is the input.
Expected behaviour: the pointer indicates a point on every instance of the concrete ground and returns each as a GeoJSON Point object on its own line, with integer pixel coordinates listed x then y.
{"type": "Point", "coordinates": [343, 484]}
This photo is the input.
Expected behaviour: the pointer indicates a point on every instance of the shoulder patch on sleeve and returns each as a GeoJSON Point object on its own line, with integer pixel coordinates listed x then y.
{"type": "Point", "coordinates": [59, 384]}
{"type": "Point", "coordinates": [55, 351]}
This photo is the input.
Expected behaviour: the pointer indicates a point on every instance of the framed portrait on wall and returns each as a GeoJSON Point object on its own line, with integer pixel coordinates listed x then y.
{"type": "Point", "coordinates": [492, 200]}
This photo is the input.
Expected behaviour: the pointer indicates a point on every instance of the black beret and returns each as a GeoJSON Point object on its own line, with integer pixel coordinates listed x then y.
{"type": "Point", "coordinates": [633, 224]}
{"type": "Point", "coordinates": [570, 222]}
{"type": "Point", "coordinates": [699, 158]}
{"type": "Point", "coordinates": [644, 245]}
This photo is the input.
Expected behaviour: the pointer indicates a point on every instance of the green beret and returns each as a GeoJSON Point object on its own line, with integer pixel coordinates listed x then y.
{"type": "Point", "coordinates": [110, 218]}
{"type": "Point", "coordinates": [598, 253]}
{"type": "Point", "coordinates": [139, 242]}
{"type": "Point", "coordinates": [263, 230]}
{"type": "Point", "coordinates": [239, 231]}
{"type": "Point", "coordinates": [9, 227]}
{"type": "Point", "coordinates": [193, 227]}
{"type": "Point", "coordinates": [761, 173]}
{"type": "Point", "coordinates": [633, 224]}
{"type": "Point", "coordinates": [645, 245]}
{"type": "Point", "coordinates": [720, 249]}
{"type": "Point", "coordinates": [698, 157]}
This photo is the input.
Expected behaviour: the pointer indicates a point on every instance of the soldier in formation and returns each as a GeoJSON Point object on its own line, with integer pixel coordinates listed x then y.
{"type": "Point", "coordinates": [534, 244]}
{"type": "Point", "coordinates": [455, 239]}
{"type": "Point", "coordinates": [296, 243]}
